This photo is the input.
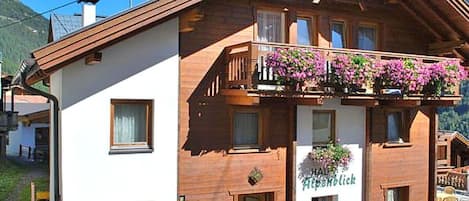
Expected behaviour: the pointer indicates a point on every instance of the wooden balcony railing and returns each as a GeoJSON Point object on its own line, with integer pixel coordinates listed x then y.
{"type": "Point", "coordinates": [246, 67]}
{"type": "Point", "coordinates": [455, 179]}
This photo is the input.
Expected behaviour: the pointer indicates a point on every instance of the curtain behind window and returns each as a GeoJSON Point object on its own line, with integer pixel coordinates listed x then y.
{"type": "Point", "coordinates": [366, 38]}
{"type": "Point", "coordinates": [321, 127]}
{"type": "Point", "coordinates": [129, 123]}
{"type": "Point", "coordinates": [394, 126]}
{"type": "Point", "coordinates": [393, 195]}
{"type": "Point", "coordinates": [269, 26]}
{"type": "Point", "coordinates": [245, 127]}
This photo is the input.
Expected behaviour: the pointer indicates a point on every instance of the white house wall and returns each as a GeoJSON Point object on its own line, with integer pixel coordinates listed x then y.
{"type": "Point", "coordinates": [145, 66]}
{"type": "Point", "coordinates": [24, 135]}
{"type": "Point", "coordinates": [350, 129]}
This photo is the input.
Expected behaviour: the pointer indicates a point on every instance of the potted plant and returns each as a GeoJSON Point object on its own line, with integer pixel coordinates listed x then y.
{"type": "Point", "coordinates": [295, 66]}
{"type": "Point", "coordinates": [331, 157]}
{"type": "Point", "coordinates": [354, 72]}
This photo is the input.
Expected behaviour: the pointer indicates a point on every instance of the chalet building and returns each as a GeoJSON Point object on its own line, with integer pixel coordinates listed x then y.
{"type": "Point", "coordinates": [183, 99]}
{"type": "Point", "coordinates": [452, 151]}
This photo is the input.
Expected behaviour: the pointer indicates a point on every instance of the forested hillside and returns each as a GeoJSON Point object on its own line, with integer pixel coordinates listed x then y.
{"type": "Point", "coordinates": [17, 41]}
{"type": "Point", "coordinates": [457, 118]}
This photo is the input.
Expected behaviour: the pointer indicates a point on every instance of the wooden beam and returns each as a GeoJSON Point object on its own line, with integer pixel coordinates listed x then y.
{"type": "Point", "coordinates": [421, 20]}
{"type": "Point", "coordinates": [400, 103]}
{"type": "Point", "coordinates": [360, 102]}
{"type": "Point", "coordinates": [431, 10]}
{"type": "Point", "coordinates": [446, 103]}
{"type": "Point", "coordinates": [242, 100]}
{"type": "Point", "coordinates": [447, 44]}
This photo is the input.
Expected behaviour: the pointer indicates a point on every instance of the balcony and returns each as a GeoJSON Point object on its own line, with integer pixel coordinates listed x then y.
{"type": "Point", "coordinates": [250, 79]}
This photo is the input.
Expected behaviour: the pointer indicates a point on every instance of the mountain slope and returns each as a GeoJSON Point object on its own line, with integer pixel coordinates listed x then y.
{"type": "Point", "coordinates": [17, 41]}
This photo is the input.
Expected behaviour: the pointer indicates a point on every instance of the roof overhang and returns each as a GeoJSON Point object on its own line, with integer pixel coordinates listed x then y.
{"type": "Point", "coordinates": [77, 45]}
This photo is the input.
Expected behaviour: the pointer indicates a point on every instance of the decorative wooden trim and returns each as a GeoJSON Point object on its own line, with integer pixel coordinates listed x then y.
{"type": "Point", "coordinates": [119, 148]}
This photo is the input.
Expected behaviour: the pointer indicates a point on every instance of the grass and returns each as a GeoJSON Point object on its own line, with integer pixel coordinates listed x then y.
{"type": "Point", "coordinates": [42, 184]}
{"type": "Point", "coordinates": [10, 174]}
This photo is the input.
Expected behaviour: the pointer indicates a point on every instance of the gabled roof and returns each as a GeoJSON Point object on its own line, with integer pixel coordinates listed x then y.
{"type": "Point", "coordinates": [76, 45]}
{"type": "Point", "coordinates": [62, 25]}
{"type": "Point", "coordinates": [451, 135]}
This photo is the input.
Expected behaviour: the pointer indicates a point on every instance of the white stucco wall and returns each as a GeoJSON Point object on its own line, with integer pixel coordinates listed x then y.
{"type": "Point", "coordinates": [24, 135]}
{"type": "Point", "coordinates": [145, 66]}
{"type": "Point", "coordinates": [350, 129]}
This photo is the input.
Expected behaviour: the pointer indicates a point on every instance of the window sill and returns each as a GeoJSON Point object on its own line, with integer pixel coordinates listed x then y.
{"type": "Point", "coordinates": [397, 145]}
{"type": "Point", "coordinates": [130, 151]}
{"type": "Point", "coordinates": [247, 150]}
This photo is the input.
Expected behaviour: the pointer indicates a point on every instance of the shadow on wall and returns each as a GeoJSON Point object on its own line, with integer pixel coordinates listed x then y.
{"type": "Point", "coordinates": [121, 61]}
{"type": "Point", "coordinates": [378, 123]}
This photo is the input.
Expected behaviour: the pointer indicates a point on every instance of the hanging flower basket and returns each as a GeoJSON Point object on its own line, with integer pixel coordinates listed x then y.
{"type": "Point", "coordinates": [331, 157]}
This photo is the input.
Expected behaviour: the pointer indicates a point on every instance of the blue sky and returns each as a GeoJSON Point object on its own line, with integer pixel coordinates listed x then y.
{"type": "Point", "coordinates": [104, 7]}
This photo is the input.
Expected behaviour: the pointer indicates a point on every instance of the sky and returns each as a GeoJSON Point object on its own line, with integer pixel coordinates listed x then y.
{"type": "Point", "coordinates": [103, 8]}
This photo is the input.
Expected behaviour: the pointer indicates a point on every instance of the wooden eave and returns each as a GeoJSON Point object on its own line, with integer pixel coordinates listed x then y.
{"type": "Point", "coordinates": [56, 55]}
{"type": "Point", "coordinates": [256, 97]}
{"type": "Point", "coordinates": [447, 20]}
{"type": "Point", "coordinates": [36, 117]}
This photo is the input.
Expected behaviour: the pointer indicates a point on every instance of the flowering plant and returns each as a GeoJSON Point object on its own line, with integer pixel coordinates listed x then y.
{"type": "Point", "coordinates": [353, 70]}
{"type": "Point", "coordinates": [297, 65]}
{"type": "Point", "coordinates": [446, 75]}
{"type": "Point", "coordinates": [331, 157]}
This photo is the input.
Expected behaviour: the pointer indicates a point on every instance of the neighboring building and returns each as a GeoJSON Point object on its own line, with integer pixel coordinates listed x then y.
{"type": "Point", "coordinates": [171, 99]}
{"type": "Point", "coordinates": [452, 150]}
{"type": "Point", "coordinates": [33, 125]}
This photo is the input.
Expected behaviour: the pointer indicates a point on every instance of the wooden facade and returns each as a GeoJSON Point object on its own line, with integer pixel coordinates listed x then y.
{"type": "Point", "coordinates": [209, 169]}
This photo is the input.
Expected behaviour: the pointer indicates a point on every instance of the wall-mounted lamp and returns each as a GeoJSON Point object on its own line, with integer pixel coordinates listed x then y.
{"type": "Point", "coordinates": [94, 58]}
{"type": "Point", "coordinates": [182, 198]}
{"type": "Point", "coordinates": [316, 1]}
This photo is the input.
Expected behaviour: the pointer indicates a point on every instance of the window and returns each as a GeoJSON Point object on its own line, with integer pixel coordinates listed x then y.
{"type": "Point", "coordinates": [304, 33]}
{"type": "Point", "coordinates": [338, 34]}
{"type": "Point", "coordinates": [257, 197]}
{"type": "Point", "coordinates": [397, 194]}
{"type": "Point", "coordinates": [323, 127]}
{"type": "Point", "coordinates": [396, 131]}
{"type": "Point", "coordinates": [367, 37]}
{"type": "Point", "coordinates": [131, 124]}
{"type": "Point", "coordinates": [441, 152]}
{"type": "Point", "coordinates": [246, 128]}
{"type": "Point", "coordinates": [270, 26]}
{"type": "Point", "coordinates": [42, 136]}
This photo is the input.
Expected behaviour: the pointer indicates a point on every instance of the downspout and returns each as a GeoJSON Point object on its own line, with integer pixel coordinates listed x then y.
{"type": "Point", "coordinates": [20, 79]}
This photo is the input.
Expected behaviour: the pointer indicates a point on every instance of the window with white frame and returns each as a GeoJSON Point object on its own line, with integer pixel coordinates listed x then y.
{"type": "Point", "coordinates": [323, 127]}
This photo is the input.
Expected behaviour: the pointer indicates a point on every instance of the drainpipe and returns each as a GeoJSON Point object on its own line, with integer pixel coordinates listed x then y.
{"type": "Point", "coordinates": [20, 79]}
